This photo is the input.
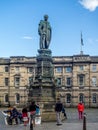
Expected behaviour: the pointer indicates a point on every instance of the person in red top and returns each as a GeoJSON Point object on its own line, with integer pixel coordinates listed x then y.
{"type": "Point", "coordinates": [80, 108]}
{"type": "Point", "coordinates": [25, 116]}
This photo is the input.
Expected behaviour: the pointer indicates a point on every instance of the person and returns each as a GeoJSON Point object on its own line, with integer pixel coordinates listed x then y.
{"type": "Point", "coordinates": [25, 116]}
{"type": "Point", "coordinates": [8, 115]}
{"type": "Point", "coordinates": [44, 31]}
{"type": "Point", "coordinates": [38, 114]}
{"type": "Point", "coordinates": [64, 112]}
{"type": "Point", "coordinates": [14, 114]}
{"type": "Point", "coordinates": [37, 109]}
{"type": "Point", "coordinates": [80, 108]}
{"type": "Point", "coordinates": [58, 110]}
{"type": "Point", "coordinates": [32, 110]}
{"type": "Point", "coordinates": [20, 116]}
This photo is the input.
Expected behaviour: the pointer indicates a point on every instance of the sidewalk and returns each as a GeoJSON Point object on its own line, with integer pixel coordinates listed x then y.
{"type": "Point", "coordinates": [72, 123]}
{"type": "Point", "coordinates": [53, 126]}
{"type": "Point", "coordinates": [65, 126]}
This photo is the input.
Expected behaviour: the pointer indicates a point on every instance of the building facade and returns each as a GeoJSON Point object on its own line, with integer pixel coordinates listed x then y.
{"type": "Point", "coordinates": [76, 79]}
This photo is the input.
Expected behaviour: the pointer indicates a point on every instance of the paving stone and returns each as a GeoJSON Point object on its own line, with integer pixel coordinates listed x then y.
{"type": "Point", "coordinates": [72, 123]}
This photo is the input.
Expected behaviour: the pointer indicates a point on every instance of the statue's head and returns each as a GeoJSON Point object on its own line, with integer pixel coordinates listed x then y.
{"type": "Point", "coordinates": [45, 17]}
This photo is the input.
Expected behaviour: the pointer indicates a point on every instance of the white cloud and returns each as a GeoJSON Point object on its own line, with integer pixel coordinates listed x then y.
{"type": "Point", "coordinates": [91, 5]}
{"type": "Point", "coordinates": [27, 37]}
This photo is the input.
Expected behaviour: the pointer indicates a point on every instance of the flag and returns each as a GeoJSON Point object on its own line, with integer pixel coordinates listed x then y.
{"type": "Point", "coordinates": [82, 40]}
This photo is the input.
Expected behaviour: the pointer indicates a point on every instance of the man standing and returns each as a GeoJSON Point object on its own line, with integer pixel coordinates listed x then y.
{"type": "Point", "coordinates": [44, 31]}
{"type": "Point", "coordinates": [58, 110]}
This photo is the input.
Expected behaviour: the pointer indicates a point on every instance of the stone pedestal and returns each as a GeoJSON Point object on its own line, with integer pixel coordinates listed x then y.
{"type": "Point", "coordinates": [43, 89]}
{"type": "Point", "coordinates": [44, 65]}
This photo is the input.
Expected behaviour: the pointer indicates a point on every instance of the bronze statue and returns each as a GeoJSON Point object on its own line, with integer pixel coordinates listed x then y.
{"type": "Point", "coordinates": [44, 31]}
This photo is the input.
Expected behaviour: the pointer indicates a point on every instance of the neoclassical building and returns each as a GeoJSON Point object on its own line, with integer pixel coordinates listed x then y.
{"type": "Point", "coordinates": [76, 79]}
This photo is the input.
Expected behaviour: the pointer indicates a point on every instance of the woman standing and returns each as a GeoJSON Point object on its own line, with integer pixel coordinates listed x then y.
{"type": "Point", "coordinates": [80, 108]}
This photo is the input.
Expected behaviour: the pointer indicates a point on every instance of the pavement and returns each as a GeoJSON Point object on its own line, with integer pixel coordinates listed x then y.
{"type": "Point", "coordinates": [71, 123]}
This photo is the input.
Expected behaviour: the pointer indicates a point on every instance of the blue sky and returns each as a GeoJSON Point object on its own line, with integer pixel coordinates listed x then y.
{"type": "Point", "coordinates": [19, 21]}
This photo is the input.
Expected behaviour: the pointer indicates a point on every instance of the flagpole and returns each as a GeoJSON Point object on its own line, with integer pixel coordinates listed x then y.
{"type": "Point", "coordinates": [81, 44]}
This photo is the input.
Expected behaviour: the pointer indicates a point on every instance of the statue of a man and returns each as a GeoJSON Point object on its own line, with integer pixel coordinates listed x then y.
{"type": "Point", "coordinates": [44, 31]}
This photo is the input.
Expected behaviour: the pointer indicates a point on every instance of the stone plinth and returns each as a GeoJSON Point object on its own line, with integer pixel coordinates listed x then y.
{"type": "Point", "coordinates": [43, 89]}
{"type": "Point", "coordinates": [48, 116]}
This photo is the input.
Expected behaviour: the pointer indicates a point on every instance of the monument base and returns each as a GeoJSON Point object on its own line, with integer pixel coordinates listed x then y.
{"type": "Point", "coordinates": [48, 116]}
{"type": "Point", "coordinates": [51, 116]}
{"type": "Point", "coordinates": [43, 89]}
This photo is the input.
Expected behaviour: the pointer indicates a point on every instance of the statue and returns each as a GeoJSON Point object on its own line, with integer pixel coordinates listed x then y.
{"type": "Point", "coordinates": [44, 31]}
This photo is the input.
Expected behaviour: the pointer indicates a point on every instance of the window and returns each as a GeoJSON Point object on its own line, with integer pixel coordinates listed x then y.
{"type": "Point", "coordinates": [17, 81]}
{"type": "Point", "coordinates": [81, 80]}
{"type": "Point", "coordinates": [68, 69]}
{"type": "Point", "coordinates": [58, 69]}
{"type": "Point", "coordinates": [81, 67]}
{"type": "Point", "coordinates": [58, 81]}
{"type": "Point", "coordinates": [94, 98]}
{"type": "Point", "coordinates": [17, 98]}
{"type": "Point", "coordinates": [94, 67]}
{"type": "Point", "coordinates": [81, 97]}
{"type": "Point", "coordinates": [17, 68]}
{"type": "Point", "coordinates": [6, 81]}
{"type": "Point", "coordinates": [68, 98]}
{"type": "Point", "coordinates": [94, 81]}
{"type": "Point", "coordinates": [6, 98]}
{"type": "Point", "coordinates": [6, 69]}
{"type": "Point", "coordinates": [68, 81]}
{"type": "Point", "coordinates": [30, 80]}
{"type": "Point", "coordinates": [30, 69]}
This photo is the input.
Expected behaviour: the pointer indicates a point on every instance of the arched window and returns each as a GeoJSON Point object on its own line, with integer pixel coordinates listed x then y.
{"type": "Point", "coordinates": [6, 98]}
{"type": "Point", "coordinates": [17, 98]}
{"type": "Point", "coordinates": [81, 97]}
{"type": "Point", "coordinates": [94, 98]}
{"type": "Point", "coordinates": [68, 98]}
